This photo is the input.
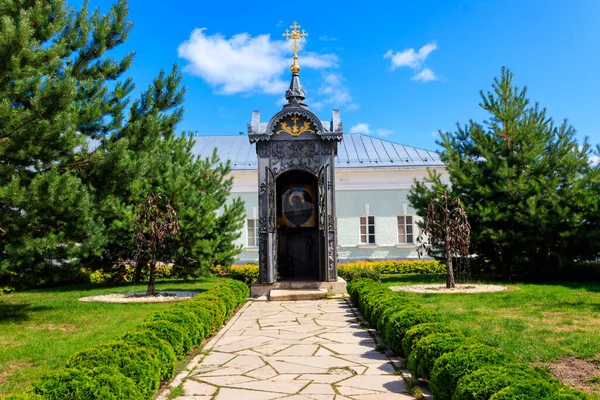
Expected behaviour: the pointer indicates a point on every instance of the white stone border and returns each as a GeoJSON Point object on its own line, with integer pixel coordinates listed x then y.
{"type": "Point", "coordinates": [441, 289]}
{"type": "Point", "coordinates": [138, 297]}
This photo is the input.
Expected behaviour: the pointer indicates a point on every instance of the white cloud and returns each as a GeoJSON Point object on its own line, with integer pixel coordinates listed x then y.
{"type": "Point", "coordinates": [326, 38]}
{"type": "Point", "coordinates": [415, 60]}
{"type": "Point", "coordinates": [365, 129]}
{"type": "Point", "coordinates": [280, 23]}
{"type": "Point", "coordinates": [335, 92]}
{"type": "Point", "coordinates": [425, 75]}
{"type": "Point", "coordinates": [410, 57]}
{"type": "Point", "coordinates": [594, 160]}
{"type": "Point", "coordinates": [361, 128]}
{"type": "Point", "coordinates": [244, 64]}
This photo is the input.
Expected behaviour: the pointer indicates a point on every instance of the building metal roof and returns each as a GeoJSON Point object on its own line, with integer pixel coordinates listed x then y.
{"type": "Point", "coordinates": [355, 151]}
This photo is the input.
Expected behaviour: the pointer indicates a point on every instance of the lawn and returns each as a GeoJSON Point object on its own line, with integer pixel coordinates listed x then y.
{"type": "Point", "coordinates": [534, 323]}
{"type": "Point", "coordinates": [40, 329]}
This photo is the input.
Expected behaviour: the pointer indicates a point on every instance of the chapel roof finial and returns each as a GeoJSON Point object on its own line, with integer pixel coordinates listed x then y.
{"type": "Point", "coordinates": [295, 35]}
{"type": "Point", "coordinates": [295, 94]}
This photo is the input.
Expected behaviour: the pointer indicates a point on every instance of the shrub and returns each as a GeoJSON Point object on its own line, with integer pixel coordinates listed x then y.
{"type": "Point", "coordinates": [23, 396]}
{"type": "Point", "coordinates": [389, 301]}
{"type": "Point", "coordinates": [170, 332]}
{"type": "Point", "coordinates": [186, 320]}
{"type": "Point", "coordinates": [244, 273]}
{"type": "Point", "coordinates": [401, 321]}
{"type": "Point", "coordinates": [486, 381]}
{"type": "Point", "coordinates": [353, 287]}
{"type": "Point", "coordinates": [429, 348]}
{"type": "Point", "coordinates": [352, 272]}
{"type": "Point", "coordinates": [102, 383]}
{"type": "Point", "coordinates": [393, 308]}
{"type": "Point", "coordinates": [567, 394]}
{"type": "Point", "coordinates": [450, 367]}
{"type": "Point", "coordinates": [419, 331]}
{"type": "Point", "coordinates": [161, 348]}
{"type": "Point", "coordinates": [124, 272]}
{"type": "Point", "coordinates": [215, 298]}
{"type": "Point", "coordinates": [535, 389]}
{"type": "Point", "coordinates": [381, 299]}
{"type": "Point", "coordinates": [134, 362]}
{"type": "Point", "coordinates": [368, 294]}
{"type": "Point", "coordinates": [225, 294]}
{"type": "Point", "coordinates": [397, 266]}
{"type": "Point", "coordinates": [204, 316]}
{"type": "Point", "coordinates": [216, 309]}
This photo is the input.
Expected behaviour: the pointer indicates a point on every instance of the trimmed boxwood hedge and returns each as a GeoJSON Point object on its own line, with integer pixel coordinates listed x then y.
{"type": "Point", "coordinates": [134, 366]}
{"type": "Point", "coordinates": [161, 348]}
{"type": "Point", "coordinates": [418, 331]}
{"type": "Point", "coordinates": [456, 367]}
{"type": "Point", "coordinates": [450, 367]}
{"type": "Point", "coordinates": [84, 384]}
{"type": "Point", "coordinates": [487, 381]}
{"type": "Point", "coordinates": [535, 389]}
{"type": "Point", "coordinates": [134, 362]}
{"type": "Point", "coordinates": [429, 348]}
{"type": "Point", "coordinates": [172, 333]}
{"type": "Point", "coordinates": [401, 321]}
{"type": "Point", "coordinates": [185, 320]}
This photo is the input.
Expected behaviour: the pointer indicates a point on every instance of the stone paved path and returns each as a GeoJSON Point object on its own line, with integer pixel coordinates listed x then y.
{"type": "Point", "coordinates": [309, 350]}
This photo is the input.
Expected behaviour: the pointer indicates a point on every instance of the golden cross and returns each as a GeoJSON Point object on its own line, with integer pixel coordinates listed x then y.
{"type": "Point", "coordinates": [295, 35]}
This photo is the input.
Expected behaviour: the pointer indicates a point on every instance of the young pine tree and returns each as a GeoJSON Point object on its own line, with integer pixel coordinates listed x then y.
{"type": "Point", "coordinates": [528, 187]}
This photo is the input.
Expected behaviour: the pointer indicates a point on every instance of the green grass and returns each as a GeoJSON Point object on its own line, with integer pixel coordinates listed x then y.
{"type": "Point", "coordinates": [40, 329]}
{"type": "Point", "coordinates": [533, 323]}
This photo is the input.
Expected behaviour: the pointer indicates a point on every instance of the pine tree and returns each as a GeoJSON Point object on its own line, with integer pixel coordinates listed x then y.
{"type": "Point", "coordinates": [528, 187]}
{"type": "Point", "coordinates": [199, 191]}
{"type": "Point", "coordinates": [52, 98]}
{"type": "Point", "coordinates": [77, 156]}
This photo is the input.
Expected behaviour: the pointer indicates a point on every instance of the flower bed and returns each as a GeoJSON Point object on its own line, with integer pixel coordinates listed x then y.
{"type": "Point", "coordinates": [455, 366]}
{"type": "Point", "coordinates": [249, 273]}
{"type": "Point", "coordinates": [133, 366]}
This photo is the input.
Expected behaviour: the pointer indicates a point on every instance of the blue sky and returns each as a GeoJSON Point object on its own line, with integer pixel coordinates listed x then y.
{"type": "Point", "coordinates": [440, 54]}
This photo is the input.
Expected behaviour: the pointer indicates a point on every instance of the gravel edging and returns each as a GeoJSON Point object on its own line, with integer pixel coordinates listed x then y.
{"type": "Point", "coordinates": [441, 289]}
{"type": "Point", "coordinates": [140, 297]}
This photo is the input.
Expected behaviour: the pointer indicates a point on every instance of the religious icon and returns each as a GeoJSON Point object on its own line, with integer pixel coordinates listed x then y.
{"type": "Point", "coordinates": [298, 206]}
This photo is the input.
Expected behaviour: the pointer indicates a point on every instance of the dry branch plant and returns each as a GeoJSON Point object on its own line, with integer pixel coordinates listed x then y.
{"type": "Point", "coordinates": [446, 228]}
{"type": "Point", "coordinates": [155, 223]}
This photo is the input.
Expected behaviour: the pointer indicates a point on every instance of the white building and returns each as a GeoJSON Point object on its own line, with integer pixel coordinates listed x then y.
{"type": "Point", "coordinates": [373, 178]}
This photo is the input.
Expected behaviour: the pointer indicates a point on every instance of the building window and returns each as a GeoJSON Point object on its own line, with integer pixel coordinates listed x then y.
{"type": "Point", "coordinates": [252, 232]}
{"type": "Point", "coordinates": [367, 230]}
{"type": "Point", "coordinates": [405, 229]}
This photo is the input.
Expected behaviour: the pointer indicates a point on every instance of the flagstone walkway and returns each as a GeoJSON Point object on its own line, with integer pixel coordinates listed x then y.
{"type": "Point", "coordinates": [307, 350]}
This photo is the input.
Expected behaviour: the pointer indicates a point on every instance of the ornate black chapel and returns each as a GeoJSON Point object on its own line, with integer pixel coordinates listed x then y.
{"type": "Point", "coordinates": [296, 196]}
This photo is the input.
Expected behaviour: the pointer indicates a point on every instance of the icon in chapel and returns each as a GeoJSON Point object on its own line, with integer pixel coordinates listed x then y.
{"type": "Point", "coordinates": [298, 207]}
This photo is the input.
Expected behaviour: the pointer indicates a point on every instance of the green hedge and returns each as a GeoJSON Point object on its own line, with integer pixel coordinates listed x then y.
{"type": "Point", "coordinates": [431, 347]}
{"type": "Point", "coordinates": [450, 367]}
{"type": "Point", "coordinates": [134, 366]}
{"type": "Point", "coordinates": [483, 383]}
{"type": "Point", "coordinates": [395, 266]}
{"type": "Point", "coordinates": [456, 367]}
{"type": "Point", "coordinates": [419, 331]}
{"type": "Point", "coordinates": [83, 384]}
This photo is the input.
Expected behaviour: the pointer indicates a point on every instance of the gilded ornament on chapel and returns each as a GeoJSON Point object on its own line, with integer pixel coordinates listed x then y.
{"type": "Point", "coordinates": [295, 130]}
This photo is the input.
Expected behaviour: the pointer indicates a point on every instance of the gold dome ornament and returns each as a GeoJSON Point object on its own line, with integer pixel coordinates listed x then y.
{"type": "Point", "coordinates": [295, 35]}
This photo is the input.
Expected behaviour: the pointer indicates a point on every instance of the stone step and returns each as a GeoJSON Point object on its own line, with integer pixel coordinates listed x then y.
{"type": "Point", "coordinates": [297, 294]}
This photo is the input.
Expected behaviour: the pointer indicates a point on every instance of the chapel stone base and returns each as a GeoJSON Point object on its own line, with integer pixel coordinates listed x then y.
{"type": "Point", "coordinates": [297, 290]}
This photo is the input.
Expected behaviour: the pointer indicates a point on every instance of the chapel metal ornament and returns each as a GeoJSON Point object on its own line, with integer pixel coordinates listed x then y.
{"type": "Point", "coordinates": [296, 178]}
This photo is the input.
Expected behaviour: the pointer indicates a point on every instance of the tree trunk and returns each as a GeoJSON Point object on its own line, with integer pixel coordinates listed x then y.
{"type": "Point", "coordinates": [449, 271]}
{"type": "Point", "coordinates": [151, 291]}
{"type": "Point", "coordinates": [139, 266]}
